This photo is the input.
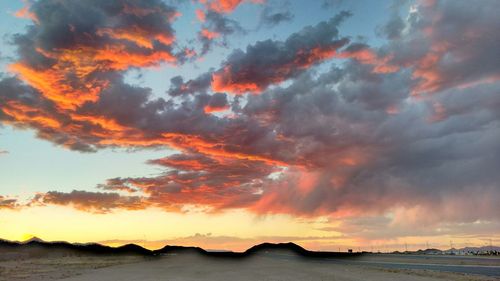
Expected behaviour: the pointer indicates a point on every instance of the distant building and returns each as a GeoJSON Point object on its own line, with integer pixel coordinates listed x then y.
{"type": "Point", "coordinates": [349, 251]}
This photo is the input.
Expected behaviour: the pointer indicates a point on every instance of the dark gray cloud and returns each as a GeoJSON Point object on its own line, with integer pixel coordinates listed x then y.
{"type": "Point", "coordinates": [329, 4]}
{"type": "Point", "coordinates": [271, 16]}
{"type": "Point", "coordinates": [217, 27]}
{"type": "Point", "coordinates": [90, 201]}
{"type": "Point", "coordinates": [218, 101]}
{"type": "Point", "coordinates": [393, 28]}
{"type": "Point", "coordinates": [221, 24]}
{"type": "Point", "coordinates": [200, 84]}
{"type": "Point", "coordinates": [366, 158]}
{"type": "Point", "coordinates": [447, 44]}
{"type": "Point", "coordinates": [270, 62]}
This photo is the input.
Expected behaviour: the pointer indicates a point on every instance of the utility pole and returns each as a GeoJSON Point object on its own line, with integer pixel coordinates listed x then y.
{"type": "Point", "coordinates": [406, 247]}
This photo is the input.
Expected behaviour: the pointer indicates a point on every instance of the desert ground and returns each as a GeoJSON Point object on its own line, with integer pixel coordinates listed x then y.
{"type": "Point", "coordinates": [268, 266]}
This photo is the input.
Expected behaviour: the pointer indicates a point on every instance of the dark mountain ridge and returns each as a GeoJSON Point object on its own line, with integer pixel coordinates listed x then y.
{"type": "Point", "coordinates": [133, 249]}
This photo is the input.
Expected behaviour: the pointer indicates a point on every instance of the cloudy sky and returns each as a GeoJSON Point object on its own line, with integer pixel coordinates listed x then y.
{"type": "Point", "coordinates": [225, 123]}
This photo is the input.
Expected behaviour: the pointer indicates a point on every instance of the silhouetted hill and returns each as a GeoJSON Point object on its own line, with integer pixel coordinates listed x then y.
{"type": "Point", "coordinates": [179, 249]}
{"type": "Point", "coordinates": [173, 250]}
{"type": "Point", "coordinates": [38, 247]}
{"type": "Point", "coordinates": [7, 244]}
{"type": "Point", "coordinates": [279, 246]}
{"type": "Point", "coordinates": [132, 248]}
{"type": "Point", "coordinates": [428, 252]}
{"type": "Point", "coordinates": [257, 249]}
{"type": "Point", "coordinates": [33, 239]}
{"type": "Point", "coordinates": [298, 250]}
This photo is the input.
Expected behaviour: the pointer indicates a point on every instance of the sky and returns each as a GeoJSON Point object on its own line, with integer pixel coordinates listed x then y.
{"type": "Point", "coordinates": [371, 125]}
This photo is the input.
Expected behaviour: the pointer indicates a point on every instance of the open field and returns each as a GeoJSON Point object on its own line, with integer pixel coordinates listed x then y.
{"type": "Point", "coordinates": [268, 266]}
{"type": "Point", "coordinates": [54, 268]}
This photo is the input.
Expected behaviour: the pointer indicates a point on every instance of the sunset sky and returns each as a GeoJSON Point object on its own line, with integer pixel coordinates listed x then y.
{"type": "Point", "coordinates": [226, 123]}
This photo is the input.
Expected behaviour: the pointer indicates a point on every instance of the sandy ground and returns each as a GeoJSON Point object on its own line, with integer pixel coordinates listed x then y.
{"type": "Point", "coordinates": [54, 268]}
{"type": "Point", "coordinates": [193, 267]}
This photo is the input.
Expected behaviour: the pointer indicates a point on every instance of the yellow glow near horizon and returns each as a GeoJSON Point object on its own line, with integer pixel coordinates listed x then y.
{"type": "Point", "coordinates": [55, 223]}
{"type": "Point", "coordinates": [27, 236]}
{"type": "Point", "coordinates": [232, 230]}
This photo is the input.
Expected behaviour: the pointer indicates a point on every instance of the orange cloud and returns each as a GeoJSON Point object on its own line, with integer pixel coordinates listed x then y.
{"type": "Point", "coordinates": [427, 70]}
{"type": "Point", "coordinates": [226, 6]}
{"type": "Point", "coordinates": [52, 83]}
{"type": "Point", "coordinates": [190, 142]}
{"type": "Point", "coordinates": [307, 58]}
{"type": "Point", "coordinates": [222, 82]}
{"type": "Point", "coordinates": [137, 35]}
{"type": "Point", "coordinates": [211, 109]}
{"type": "Point", "coordinates": [212, 182]}
{"type": "Point", "coordinates": [209, 34]}
{"type": "Point", "coordinates": [200, 15]}
{"type": "Point", "coordinates": [25, 114]}
{"type": "Point", "coordinates": [368, 56]}
{"type": "Point", "coordinates": [25, 13]}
